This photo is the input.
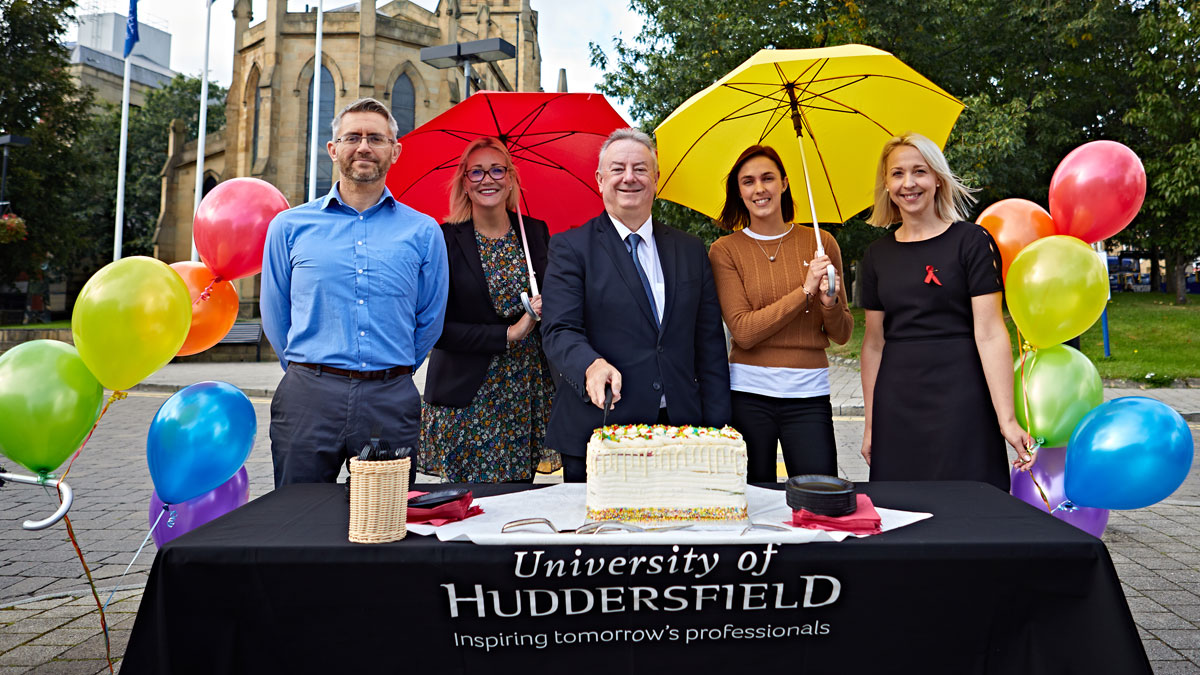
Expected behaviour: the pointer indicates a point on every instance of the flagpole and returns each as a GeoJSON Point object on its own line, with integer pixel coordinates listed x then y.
{"type": "Point", "coordinates": [203, 130]}
{"type": "Point", "coordinates": [120, 220]}
{"type": "Point", "coordinates": [131, 38]}
{"type": "Point", "coordinates": [315, 104]}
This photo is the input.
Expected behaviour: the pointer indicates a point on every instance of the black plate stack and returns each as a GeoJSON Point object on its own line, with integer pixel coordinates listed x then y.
{"type": "Point", "coordinates": [822, 495]}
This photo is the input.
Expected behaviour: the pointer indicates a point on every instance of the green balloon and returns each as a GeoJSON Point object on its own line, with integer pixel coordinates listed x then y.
{"type": "Point", "coordinates": [1060, 386]}
{"type": "Point", "coordinates": [49, 400]}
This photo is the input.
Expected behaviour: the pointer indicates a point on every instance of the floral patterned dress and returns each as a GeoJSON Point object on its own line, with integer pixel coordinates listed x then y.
{"type": "Point", "coordinates": [501, 436]}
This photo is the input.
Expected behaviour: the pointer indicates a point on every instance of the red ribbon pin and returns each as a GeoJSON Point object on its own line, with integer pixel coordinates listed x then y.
{"type": "Point", "coordinates": [930, 277]}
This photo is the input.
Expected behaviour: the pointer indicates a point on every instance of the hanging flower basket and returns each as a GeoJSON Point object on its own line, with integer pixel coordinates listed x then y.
{"type": "Point", "coordinates": [12, 228]}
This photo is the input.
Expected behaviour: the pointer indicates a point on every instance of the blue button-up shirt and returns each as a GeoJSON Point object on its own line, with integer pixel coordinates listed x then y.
{"type": "Point", "coordinates": [360, 291]}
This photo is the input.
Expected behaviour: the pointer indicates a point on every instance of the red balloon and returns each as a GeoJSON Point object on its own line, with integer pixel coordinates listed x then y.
{"type": "Point", "coordinates": [1014, 224]}
{"type": "Point", "coordinates": [212, 317]}
{"type": "Point", "coordinates": [1097, 190]}
{"type": "Point", "coordinates": [231, 226]}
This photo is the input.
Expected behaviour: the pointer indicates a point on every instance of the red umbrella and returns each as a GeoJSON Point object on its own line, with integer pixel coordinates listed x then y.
{"type": "Point", "coordinates": [554, 140]}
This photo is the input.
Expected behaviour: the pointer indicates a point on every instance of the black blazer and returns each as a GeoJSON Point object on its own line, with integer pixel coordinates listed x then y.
{"type": "Point", "coordinates": [473, 332]}
{"type": "Point", "coordinates": [594, 306]}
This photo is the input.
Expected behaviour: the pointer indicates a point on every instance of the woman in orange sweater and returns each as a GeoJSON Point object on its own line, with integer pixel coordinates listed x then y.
{"type": "Point", "coordinates": [772, 287]}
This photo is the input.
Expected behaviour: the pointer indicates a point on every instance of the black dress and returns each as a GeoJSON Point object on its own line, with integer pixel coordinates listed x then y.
{"type": "Point", "coordinates": [932, 417]}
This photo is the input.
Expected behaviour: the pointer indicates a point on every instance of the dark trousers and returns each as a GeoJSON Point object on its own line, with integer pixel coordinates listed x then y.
{"type": "Point", "coordinates": [803, 426]}
{"type": "Point", "coordinates": [574, 469]}
{"type": "Point", "coordinates": [320, 420]}
{"type": "Point", "coordinates": [575, 466]}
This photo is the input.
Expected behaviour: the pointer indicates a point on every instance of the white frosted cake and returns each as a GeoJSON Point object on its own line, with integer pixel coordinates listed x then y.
{"type": "Point", "coordinates": [653, 473]}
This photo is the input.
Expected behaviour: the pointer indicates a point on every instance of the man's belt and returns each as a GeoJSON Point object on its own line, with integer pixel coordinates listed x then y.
{"type": "Point", "coordinates": [357, 374]}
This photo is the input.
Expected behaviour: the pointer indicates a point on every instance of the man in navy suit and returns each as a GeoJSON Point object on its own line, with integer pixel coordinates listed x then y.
{"type": "Point", "coordinates": [630, 303]}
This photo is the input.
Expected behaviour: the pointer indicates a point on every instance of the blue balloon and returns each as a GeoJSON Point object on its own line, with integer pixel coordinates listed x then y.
{"type": "Point", "coordinates": [1128, 453]}
{"type": "Point", "coordinates": [198, 439]}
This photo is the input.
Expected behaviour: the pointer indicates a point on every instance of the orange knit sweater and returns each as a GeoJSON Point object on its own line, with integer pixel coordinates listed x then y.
{"type": "Point", "coordinates": [764, 303]}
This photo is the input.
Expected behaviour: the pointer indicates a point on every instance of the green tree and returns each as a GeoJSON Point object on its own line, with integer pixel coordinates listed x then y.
{"type": "Point", "coordinates": [39, 100]}
{"type": "Point", "coordinates": [149, 132]}
{"type": "Point", "coordinates": [1039, 77]}
{"type": "Point", "coordinates": [1167, 115]}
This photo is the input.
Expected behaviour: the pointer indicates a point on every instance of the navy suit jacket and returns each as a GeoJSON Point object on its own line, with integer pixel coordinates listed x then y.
{"type": "Point", "coordinates": [473, 332]}
{"type": "Point", "coordinates": [594, 306]}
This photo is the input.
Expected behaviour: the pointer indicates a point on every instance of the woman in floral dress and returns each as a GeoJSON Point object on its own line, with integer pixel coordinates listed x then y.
{"type": "Point", "coordinates": [488, 388]}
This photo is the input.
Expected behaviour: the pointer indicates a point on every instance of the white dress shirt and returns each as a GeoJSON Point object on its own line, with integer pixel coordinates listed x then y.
{"type": "Point", "coordinates": [648, 256]}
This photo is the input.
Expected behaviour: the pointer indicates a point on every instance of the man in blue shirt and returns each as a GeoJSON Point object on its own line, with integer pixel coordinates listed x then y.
{"type": "Point", "coordinates": [353, 296]}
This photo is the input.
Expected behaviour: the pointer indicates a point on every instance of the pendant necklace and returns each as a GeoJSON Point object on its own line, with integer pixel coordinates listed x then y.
{"type": "Point", "coordinates": [770, 257]}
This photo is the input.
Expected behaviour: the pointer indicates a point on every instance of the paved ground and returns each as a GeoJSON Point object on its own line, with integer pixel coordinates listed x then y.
{"type": "Point", "coordinates": [49, 622]}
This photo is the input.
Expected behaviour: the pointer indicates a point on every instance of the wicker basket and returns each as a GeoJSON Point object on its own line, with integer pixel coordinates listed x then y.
{"type": "Point", "coordinates": [378, 500]}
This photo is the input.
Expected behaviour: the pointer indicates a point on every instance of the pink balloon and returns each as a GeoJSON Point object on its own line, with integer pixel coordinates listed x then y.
{"type": "Point", "coordinates": [1048, 470]}
{"type": "Point", "coordinates": [231, 226]}
{"type": "Point", "coordinates": [187, 516]}
{"type": "Point", "coordinates": [1097, 190]}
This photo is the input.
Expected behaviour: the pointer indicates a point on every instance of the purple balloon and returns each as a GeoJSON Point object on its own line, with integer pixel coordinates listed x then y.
{"type": "Point", "coordinates": [1048, 470]}
{"type": "Point", "coordinates": [187, 516]}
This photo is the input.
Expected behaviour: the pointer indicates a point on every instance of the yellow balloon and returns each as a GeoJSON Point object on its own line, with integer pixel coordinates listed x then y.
{"type": "Point", "coordinates": [1056, 289]}
{"type": "Point", "coordinates": [130, 319]}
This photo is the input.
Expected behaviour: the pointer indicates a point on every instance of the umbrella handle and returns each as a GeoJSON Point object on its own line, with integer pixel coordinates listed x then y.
{"type": "Point", "coordinates": [68, 497]}
{"type": "Point", "coordinates": [798, 123]}
{"type": "Point", "coordinates": [528, 304]}
{"type": "Point", "coordinates": [525, 297]}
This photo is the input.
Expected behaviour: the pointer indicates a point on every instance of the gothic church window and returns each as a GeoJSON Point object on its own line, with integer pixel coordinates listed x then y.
{"type": "Point", "coordinates": [254, 132]}
{"type": "Point", "coordinates": [404, 107]}
{"type": "Point", "coordinates": [324, 134]}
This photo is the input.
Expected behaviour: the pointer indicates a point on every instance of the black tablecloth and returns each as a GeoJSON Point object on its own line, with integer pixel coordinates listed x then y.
{"type": "Point", "coordinates": [988, 585]}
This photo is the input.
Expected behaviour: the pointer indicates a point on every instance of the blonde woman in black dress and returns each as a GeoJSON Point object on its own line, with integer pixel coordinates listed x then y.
{"type": "Point", "coordinates": [937, 371]}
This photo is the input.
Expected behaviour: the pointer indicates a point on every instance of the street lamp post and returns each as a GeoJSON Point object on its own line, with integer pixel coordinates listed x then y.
{"type": "Point", "coordinates": [465, 53]}
{"type": "Point", "coordinates": [5, 141]}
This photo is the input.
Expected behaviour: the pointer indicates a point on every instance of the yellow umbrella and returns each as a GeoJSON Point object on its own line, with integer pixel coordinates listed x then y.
{"type": "Point", "coordinates": [842, 103]}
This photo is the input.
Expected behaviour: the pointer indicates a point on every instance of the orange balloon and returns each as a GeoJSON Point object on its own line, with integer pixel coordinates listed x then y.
{"type": "Point", "coordinates": [1015, 224]}
{"type": "Point", "coordinates": [212, 317]}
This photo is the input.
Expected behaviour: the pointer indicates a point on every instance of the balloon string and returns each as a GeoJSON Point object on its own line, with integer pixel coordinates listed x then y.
{"type": "Point", "coordinates": [116, 396]}
{"type": "Point", "coordinates": [1042, 494]}
{"type": "Point", "coordinates": [1025, 351]}
{"type": "Point", "coordinates": [92, 585]}
{"type": "Point", "coordinates": [207, 292]}
{"type": "Point", "coordinates": [135, 556]}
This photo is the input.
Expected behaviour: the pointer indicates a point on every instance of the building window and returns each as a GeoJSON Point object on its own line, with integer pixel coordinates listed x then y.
{"type": "Point", "coordinates": [209, 183]}
{"type": "Point", "coordinates": [324, 134]}
{"type": "Point", "coordinates": [404, 105]}
{"type": "Point", "coordinates": [254, 132]}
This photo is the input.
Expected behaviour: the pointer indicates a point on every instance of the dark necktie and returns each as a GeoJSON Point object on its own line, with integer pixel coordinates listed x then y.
{"type": "Point", "coordinates": [631, 243]}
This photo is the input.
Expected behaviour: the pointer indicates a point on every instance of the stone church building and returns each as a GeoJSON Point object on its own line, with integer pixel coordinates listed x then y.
{"type": "Point", "coordinates": [364, 53]}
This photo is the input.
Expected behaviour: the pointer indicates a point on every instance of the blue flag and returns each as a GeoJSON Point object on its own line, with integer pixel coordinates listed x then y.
{"type": "Point", "coordinates": [131, 31]}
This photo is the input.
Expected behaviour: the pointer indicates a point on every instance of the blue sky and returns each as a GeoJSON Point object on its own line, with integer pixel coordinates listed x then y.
{"type": "Point", "coordinates": [566, 27]}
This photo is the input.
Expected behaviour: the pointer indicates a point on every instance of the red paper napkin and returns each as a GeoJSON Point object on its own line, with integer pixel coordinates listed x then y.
{"type": "Point", "coordinates": [459, 509]}
{"type": "Point", "coordinates": [865, 520]}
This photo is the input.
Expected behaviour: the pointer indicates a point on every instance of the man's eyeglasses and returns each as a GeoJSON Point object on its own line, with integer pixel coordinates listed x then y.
{"type": "Point", "coordinates": [373, 140]}
{"type": "Point", "coordinates": [496, 172]}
